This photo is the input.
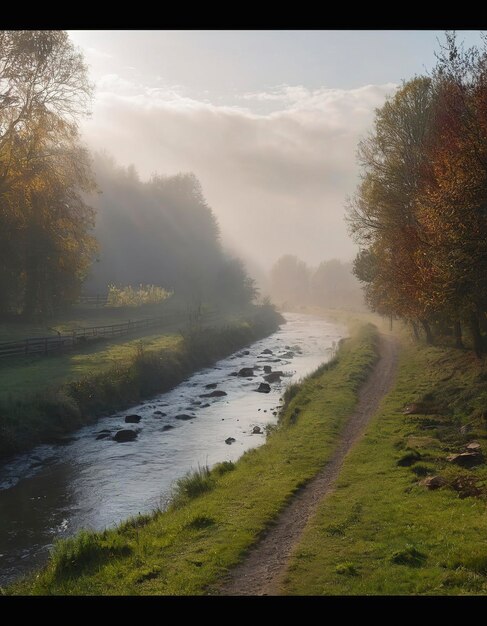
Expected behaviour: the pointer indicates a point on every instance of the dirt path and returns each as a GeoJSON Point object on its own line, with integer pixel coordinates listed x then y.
{"type": "Point", "coordinates": [266, 563]}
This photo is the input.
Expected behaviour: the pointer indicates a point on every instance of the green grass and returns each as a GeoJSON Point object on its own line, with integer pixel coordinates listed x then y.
{"type": "Point", "coordinates": [46, 398]}
{"type": "Point", "coordinates": [85, 316]}
{"type": "Point", "coordinates": [216, 516]}
{"type": "Point", "coordinates": [382, 531]}
{"type": "Point", "coordinates": [33, 374]}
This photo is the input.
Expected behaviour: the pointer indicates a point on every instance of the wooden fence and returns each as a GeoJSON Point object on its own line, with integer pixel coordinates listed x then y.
{"type": "Point", "coordinates": [98, 300]}
{"type": "Point", "coordinates": [80, 336]}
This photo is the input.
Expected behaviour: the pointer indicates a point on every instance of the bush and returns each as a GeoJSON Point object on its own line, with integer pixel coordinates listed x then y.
{"type": "Point", "coordinates": [128, 296]}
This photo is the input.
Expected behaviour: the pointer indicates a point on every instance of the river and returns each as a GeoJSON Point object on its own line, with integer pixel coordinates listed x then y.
{"type": "Point", "coordinates": [56, 490]}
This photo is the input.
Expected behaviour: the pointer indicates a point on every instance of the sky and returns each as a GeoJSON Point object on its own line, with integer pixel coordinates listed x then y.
{"type": "Point", "coordinates": [269, 121]}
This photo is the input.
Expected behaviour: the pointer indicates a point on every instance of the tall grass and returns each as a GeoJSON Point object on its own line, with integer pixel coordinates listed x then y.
{"type": "Point", "coordinates": [72, 556]}
{"type": "Point", "coordinates": [192, 485]}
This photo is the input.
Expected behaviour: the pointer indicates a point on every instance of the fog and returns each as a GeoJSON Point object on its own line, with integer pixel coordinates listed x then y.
{"type": "Point", "coordinates": [276, 182]}
{"type": "Point", "coordinates": [332, 284]}
{"type": "Point", "coordinates": [161, 232]}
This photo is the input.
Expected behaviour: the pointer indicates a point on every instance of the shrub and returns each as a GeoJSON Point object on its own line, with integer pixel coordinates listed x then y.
{"type": "Point", "coordinates": [128, 296]}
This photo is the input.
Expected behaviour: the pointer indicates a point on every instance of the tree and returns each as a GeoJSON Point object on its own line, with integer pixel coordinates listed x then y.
{"type": "Point", "coordinates": [333, 284]}
{"type": "Point", "coordinates": [420, 212]}
{"type": "Point", "coordinates": [44, 171]}
{"type": "Point", "coordinates": [453, 202]}
{"type": "Point", "coordinates": [383, 215]}
{"type": "Point", "coordinates": [290, 280]}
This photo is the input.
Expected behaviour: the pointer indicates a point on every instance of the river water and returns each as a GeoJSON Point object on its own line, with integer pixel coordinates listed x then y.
{"type": "Point", "coordinates": [56, 490]}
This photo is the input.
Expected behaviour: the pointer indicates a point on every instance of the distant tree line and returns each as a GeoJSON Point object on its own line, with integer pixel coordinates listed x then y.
{"type": "Point", "coordinates": [163, 232]}
{"type": "Point", "coordinates": [420, 211]}
{"type": "Point", "coordinates": [331, 284]}
{"type": "Point", "coordinates": [52, 227]}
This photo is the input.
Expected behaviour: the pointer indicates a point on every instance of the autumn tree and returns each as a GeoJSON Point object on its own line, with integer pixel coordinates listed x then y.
{"type": "Point", "coordinates": [383, 214]}
{"type": "Point", "coordinates": [289, 280]}
{"type": "Point", "coordinates": [452, 206]}
{"type": "Point", "coordinates": [45, 240]}
{"type": "Point", "coordinates": [420, 213]}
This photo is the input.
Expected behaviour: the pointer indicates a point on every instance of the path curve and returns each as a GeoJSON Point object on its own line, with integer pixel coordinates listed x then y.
{"type": "Point", "coordinates": [266, 563]}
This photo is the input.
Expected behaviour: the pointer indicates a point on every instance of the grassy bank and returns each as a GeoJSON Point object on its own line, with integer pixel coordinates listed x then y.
{"type": "Point", "coordinates": [45, 398]}
{"type": "Point", "coordinates": [80, 316]}
{"type": "Point", "coordinates": [383, 531]}
{"type": "Point", "coordinates": [216, 516]}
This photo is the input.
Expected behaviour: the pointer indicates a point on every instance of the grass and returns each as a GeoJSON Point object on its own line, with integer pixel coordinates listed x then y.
{"type": "Point", "coordinates": [35, 374]}
{"type": "Point", "coordinates": [216, 515]}
{"type": "Point", "coordinates": [45, 398]}
{"type": "Point", "coordinates": [398, 536]}
{"type": "Point", "coordinates": [85, 316]}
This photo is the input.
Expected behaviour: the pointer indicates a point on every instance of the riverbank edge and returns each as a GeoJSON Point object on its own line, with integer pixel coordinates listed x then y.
{"type": "Point", "coordinates": [50, 416]}
{"type": "Point", "coordinates": [407, 516]}
{"type": "Point", "coordinates": [188, 549]}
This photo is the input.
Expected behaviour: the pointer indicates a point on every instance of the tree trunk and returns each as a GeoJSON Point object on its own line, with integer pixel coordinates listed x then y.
{"type": "Point", "coordinates": [458, 335]}
{"type": "Point", "coordinates": [482, 320]}
{"type": "Point", "coordinates": [31, 291]}
{"type": "Point", "coordinates": [476, 335]}
{"type": "Point", "coordinates": [415, 330]}
{"type": "Point", "coordinates": [427, 330]}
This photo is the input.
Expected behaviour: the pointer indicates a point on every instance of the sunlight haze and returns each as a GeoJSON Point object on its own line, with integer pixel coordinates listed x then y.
{"type": "Point", "coordinates": [267, 120]}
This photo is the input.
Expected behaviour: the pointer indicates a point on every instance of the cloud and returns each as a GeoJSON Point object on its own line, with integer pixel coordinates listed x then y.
{"type": "Point", "coordinates": [276, 181]}
{"type": "Point", "coordinates": [95, 53]}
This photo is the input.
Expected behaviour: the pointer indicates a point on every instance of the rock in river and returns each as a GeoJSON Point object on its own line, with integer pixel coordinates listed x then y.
{"type": "Point", "coordinates": [125, 435]}
{"type": "Point", "coordinates": [267, 351]}
{"type": "Point", "coordinates": [160, 413]}
{"type": "Point", "coordinates": [267, 369]}
{"type": "Point", "coordinates": [218, 393]}
{"type": "Point", "coordinates": [132, 419]}
{"type": "Point", "coordinates": [264, 388]}
{"type": "Point", "coordinates": [256, 430]}
{"type": "Point", "coordinates": [246, 371]}
{"type": "Point", "coordinates": [167, 427]}
{"type": "Point", "coordinates": [287, 355]}
{"type": "Point", "coordinates": [211, 386]}
{"type": "Point", "coordinates": [230, 440]}
{"type": "Point", "coordinates": [273, 377]}
{"type": "Point", "coordinates": [184, 417]}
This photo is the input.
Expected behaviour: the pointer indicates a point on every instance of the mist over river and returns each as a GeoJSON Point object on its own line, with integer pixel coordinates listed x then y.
{"type": "Point", "coordinates": [56, 490]}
